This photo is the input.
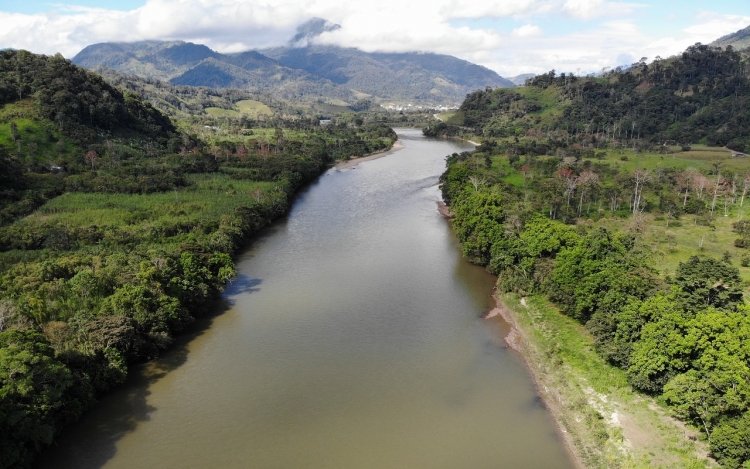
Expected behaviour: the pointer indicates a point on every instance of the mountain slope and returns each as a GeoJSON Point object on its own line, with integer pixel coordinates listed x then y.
{"type": "Point", "coordinates": [520, 80]}
{"type": "Point", "coordinates": [301, 71]}
{"type": "Point", "coordinates": [700, 96]}
{"type": "Point", "coordinates": [391, 76]}
{"type": "Point", "coordinates": [59, 120]}
{"type": "Point", "coordinates": [185, 63]}
{"type": "Point", "coordinates": [738, 40]}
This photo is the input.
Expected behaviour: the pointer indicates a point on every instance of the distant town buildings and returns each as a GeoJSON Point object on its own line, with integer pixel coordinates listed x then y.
{"type": "Point", "coordinates": [419, 107]}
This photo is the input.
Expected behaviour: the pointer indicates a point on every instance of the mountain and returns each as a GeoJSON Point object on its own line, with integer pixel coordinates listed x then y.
{"type": "Point", "coordinates": [310, 30]}
{"type": "Point", "coordinates": [391, 76]}
{"type": "Point", "coordinates": [520, 80]}
{"type": "Point", "coordinates": [185, 63]}
{"type": "Point", "coordinates": [302, 70]}
{"type": "Point", "coordinates": [153, 59]}
{"type": "Point", "coordinates": [738, 40]}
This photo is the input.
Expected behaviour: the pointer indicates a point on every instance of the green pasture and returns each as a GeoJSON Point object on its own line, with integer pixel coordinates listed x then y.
{"type": "Point", "coordinates": [219, 112]}
{"type": "Point", "coordinates": [36, 139]}
{"type": "Point", "coordinates": [253, 109]}
{"type": "Point", "coordinates": [207, 198]}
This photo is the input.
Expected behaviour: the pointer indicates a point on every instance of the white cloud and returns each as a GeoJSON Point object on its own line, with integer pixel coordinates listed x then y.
{"type": "Point", "coordinates": [527, 30]}
{"type": "Point", "coordinates": [604, 30]}
{"type": "Point", "coordinates": [591, 9]}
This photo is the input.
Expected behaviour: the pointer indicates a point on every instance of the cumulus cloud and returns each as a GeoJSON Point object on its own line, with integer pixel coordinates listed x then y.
{"type": "Point", "coordinates": [527, 30]}
{"type": "Point", "coordinates": [606, 32]}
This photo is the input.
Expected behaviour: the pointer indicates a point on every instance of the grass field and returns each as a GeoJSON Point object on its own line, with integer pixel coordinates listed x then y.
{"type": "Point", "coordinates": [207, 198]}
{"type": "Point", "coordinates": [35, 142]}
{"type": "Point", "coordinates": [253, 109]}
{"type": "Point", "coordinates": [219, 112]}
{"type": "Point", "coordinates": [203, 203]}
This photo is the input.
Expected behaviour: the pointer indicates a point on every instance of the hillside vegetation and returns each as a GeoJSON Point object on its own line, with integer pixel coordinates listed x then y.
{"type": "Point", "coordinates": [611, 197]}
{"type": "Point", "coordinates": [700, 96]}
{"type": "Point", "coordinates": [134, 236]}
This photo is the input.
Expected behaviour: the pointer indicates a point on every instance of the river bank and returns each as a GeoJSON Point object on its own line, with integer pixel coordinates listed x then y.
{"type": "Point", "coordinates": [603, 422]}
{"type": "Point", "coordinates": [350, 163]}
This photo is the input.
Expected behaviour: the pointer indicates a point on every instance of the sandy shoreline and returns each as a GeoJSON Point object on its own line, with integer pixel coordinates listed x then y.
{"type": "Point", "coordinates": [516, 340]}
{"type": "Point", "coordinates": [444, 210]}
{"type": "Point", "coordinates": [397, 145]}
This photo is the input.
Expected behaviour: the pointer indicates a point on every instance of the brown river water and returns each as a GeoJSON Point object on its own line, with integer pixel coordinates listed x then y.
{"type": "Point", "coordinates": [351, 339]}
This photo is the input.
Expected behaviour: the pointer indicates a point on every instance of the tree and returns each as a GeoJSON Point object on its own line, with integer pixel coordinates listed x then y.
{"type": "Point", "coordinates": [641, 177]}
{"type": "Point", "coordinates": [705, 282]}
{"type": "Point", "coordinates": [586, 180]}
{"type": "Point", "coordinates": [91, 158]}
{"type": "Point", "coordinates": [662, 351]}
{"type": "Point", "coordinates": [33, 387]}
{"type": "Point", "coordinates": [478, 224]}
{"type": "Point", "coordinates": [730, 442]}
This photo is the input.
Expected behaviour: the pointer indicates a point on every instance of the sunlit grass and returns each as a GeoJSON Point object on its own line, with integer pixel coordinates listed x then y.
{"type": "Point", "coordinates": [219, 112]}
{"type": "Point", "coordinates": [207, 198]}
{"type": "Point", "coordinates": [253, 109]}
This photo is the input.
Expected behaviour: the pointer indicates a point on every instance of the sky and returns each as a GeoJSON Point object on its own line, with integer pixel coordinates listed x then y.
{"type": "Point", "coordinates": [508, 36]}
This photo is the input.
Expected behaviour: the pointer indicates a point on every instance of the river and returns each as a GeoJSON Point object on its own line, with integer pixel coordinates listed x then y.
{"type": "Point", "coordinates": [351, 339]}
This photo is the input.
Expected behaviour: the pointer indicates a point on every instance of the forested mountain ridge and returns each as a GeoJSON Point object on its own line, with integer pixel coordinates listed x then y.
{"type": "Point", "coordinates": [699, 96]}
{"type": "Point", "coordinates": [51, 113]}
{"type": "Point", "coordinates": [301, 71]}
{"type": "Point", "coordinates": [80, 103]}
{"type": "Point", "coordinates": [185, 63]}
{"type": "Point", "coordinates": [391, 76]}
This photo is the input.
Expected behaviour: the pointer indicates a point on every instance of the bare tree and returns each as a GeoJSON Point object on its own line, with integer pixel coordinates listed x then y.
{"type": "Point", "coordinates": [685, 181]}
{"type": "Point", "coordinates": [699, 183]}
{"type": "Point", "coordinates": [477, 182]}
{"type": "Point", "coordinates": [640, 177]}
{"type": "Point", "coordinates": [717, 184]}
{"type": "Point", "coordinates": [91, 157]}
{"type": "Point", "coordinates": [7, 312]}
{"type": "Point", "coordinates": [745, 187]}
{"type": "Point", "coordinates": [586, 180]}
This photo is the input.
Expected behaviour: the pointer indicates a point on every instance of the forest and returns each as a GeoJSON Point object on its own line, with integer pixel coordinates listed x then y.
{"type": "Point", "coordinates": [699, 96]}
{"type": "Point", "coordinates": [611, 197]}
{"type": "Point", "coordinates": [117, 230]}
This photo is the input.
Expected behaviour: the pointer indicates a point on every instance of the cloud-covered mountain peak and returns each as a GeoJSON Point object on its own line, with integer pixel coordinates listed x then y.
{"type": "Point", "coordinates": [312, 29]}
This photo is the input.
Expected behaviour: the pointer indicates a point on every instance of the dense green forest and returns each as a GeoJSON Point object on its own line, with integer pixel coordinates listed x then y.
{"type": "Point", "coordinates": [117, 231]}
{"type": "Point", "coordinates": [700, 96]}
{"type": "Point", "coordinates": [575, 195]}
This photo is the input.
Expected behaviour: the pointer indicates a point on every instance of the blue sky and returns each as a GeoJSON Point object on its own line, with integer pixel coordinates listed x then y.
{"type": "Point", "coordinates": [41, 6]}
{"type": "Point", "coordinates": [509, 36]}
